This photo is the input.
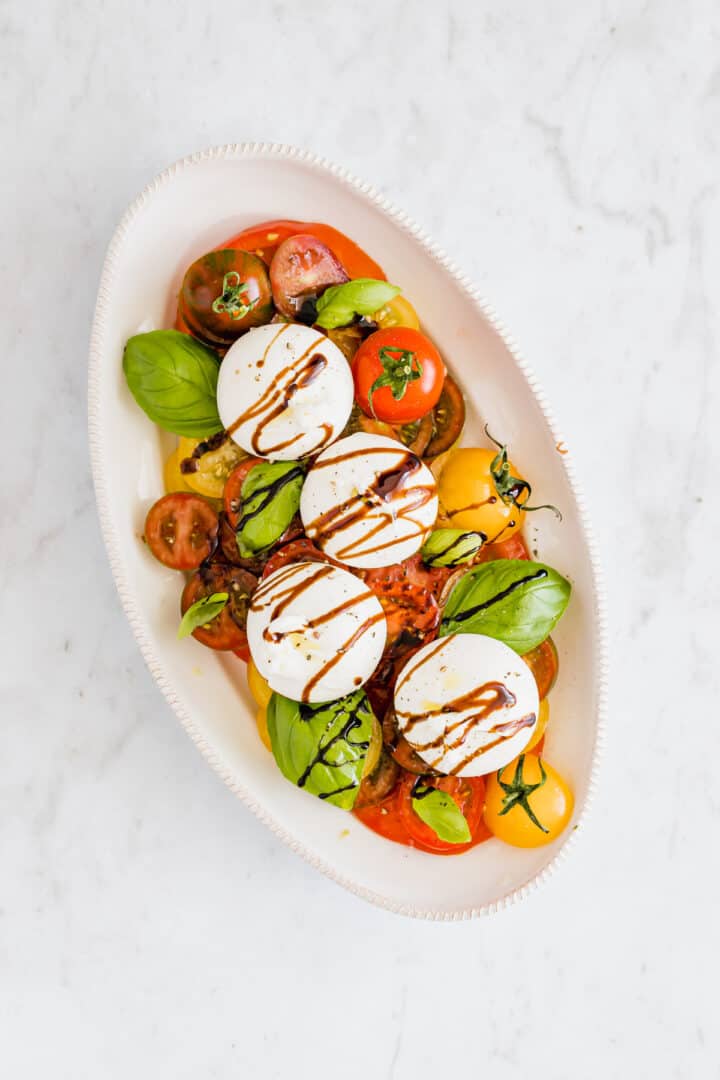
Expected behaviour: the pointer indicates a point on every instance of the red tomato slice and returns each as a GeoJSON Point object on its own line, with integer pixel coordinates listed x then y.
{"type": "Point", "coordinates": [243, 653]}
{"type": "Point", "coordinates": [227, 630]}
{"type": "Point", "coordinates": [232, 494]}
{"type": "Point", "coordinates": [294, 552]}
{"type": "Point", "coordinates": [181, 530]}
{"type": "Point", "coordinates": [411, 609]}
{"type": "Point", "coordinates": [468, 792]}
{"type": "Point", "coordinates": [512, 548]}
{"type": "Point", "coordinates": [264, 239]}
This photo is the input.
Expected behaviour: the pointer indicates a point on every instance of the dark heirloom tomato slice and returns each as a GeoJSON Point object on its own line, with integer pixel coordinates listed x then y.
{"type": "Point", "coordinates": [448, 419]}
{"type": "Point", "coordinates": [468, 793]}
{"type": "Point", "coordinates": [226, 630]}
{"type": "Point", "coordinates": [181, 530]}
{"type": "Point", "coordinates": [232, 495]}
{"type": "Point", "coordinates": [224, 293]}
{"type": "Point", "coordinates": [302, 267]}
{"type": "Point", "coordinates": [379, 784]}
{"type": "Point", "coordinates": [400, 748]}
{"type": "Point", "coordinates": [543, 662]}
{"type": "Point", "coordinates": [294, 552]}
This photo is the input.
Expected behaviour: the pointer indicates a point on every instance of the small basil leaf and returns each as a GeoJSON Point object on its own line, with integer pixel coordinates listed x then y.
{"type": "Point", "coordinates": [443, 815]}
{"type": "Point", "coordinates": [450, 547]}
{"type": "Point", "coordinates": [513, 600]}
{"type": "Point", "coordinates": [339, 304]}
{"type": "Point", "coordinates": [322, 748]}
{"type": "Point", "coordinates": [173, 378]}
{"type": "Point", "coordinates": [202, 612]}
{"type": "Point", "coordinates": [269, 500]}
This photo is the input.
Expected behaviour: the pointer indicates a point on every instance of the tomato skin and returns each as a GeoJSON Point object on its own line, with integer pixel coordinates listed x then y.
{"type": "Point", "coordinates": [512, 548]}
{"type": "Point", "coordinates": [181, 530]}
{"type": "Point", "coordinates": [551, 803]}
{"type": "Point", "coordinates": [357, 262]}
{"type": "Point", "coordinates": [243, 653]}
{"type": "Point", "coordinates": [226, 632]}
{"type": "Point", "coordinates": [205, 287]}
{"type": "Point", "coordinates": [468, 792]}
{"type": "Point", "coordinates": [448, 419]}
{"type": "Point", "coordinates": [233, 489]}
{"type": "Point", "coordinates": [264, 239]}
{"type": "Point", "coordinates": [470, 499]}
{"type": "Point", "coordinates": [294, 552]}
{"type": "Point", "coordinates": [420, 394]}
{"type": "Point", "coordinates": [303, 267]}
{"type": "Point", "coordinates": [543, 662]}
{"type": "Point", "coordinates": [537, 738]}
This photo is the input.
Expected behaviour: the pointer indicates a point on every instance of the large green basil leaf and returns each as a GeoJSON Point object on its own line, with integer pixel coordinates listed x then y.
{"type": "Point", "coordinates": [513, 600]}
{"type": "Point", "coordinates": [339, 304]}
{"type": "Point", "coordinates": [322, 748]}
{"type": "Point", "coordinates": [173, 378]}
{"type": "Point", "coordinates": [270, 498]}
{"type": "Point", "coordinates": [440, 811]}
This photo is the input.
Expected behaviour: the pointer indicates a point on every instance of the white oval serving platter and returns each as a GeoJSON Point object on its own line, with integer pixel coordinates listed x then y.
{"type": "Point", "coordinates": [189, 208]}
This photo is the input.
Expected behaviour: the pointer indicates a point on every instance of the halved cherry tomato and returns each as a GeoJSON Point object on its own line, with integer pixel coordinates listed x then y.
{"type": "Point", "coordinates": [356, 261]}
{"type": "Point", "coordinates": [294, 552]}
{"type": "Point", "coordinates": [473, 498]}
{"type": "Point", "coordinates": [448, 419]}
{"type": "Point", "coordinates": [212, 464]}
{"type": "Point", "coordinates": [225, 293]}
{"type": "Point", "coordinates": [232, 493]}
{"type": "Point", "coordinates": [411, 610]}
{"type": "Point", "coordinates": [227, 630]}
{"type": "Point", "coordinates": [398, 375]}
{"type": "Point", "coordinates": [301, 269]}
{"type": "Point", "coordinates": [543, 662]}
{"type": "Point", "coordinates": [181, 530]}
{"type": "Point", "coordinates": [468, 793]}
{"type": "Point", "coordinates": [528, 803]}
{"type": "Point", "coordinates": [263, 240]}
{"type": "Point", "coordinates": [397, 312]}
{"type": "Point", "coordinates": [538, 734]}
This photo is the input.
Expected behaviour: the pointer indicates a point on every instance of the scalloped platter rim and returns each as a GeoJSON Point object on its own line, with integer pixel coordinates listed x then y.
{"type": "Point", "coordinates": [185, 210]}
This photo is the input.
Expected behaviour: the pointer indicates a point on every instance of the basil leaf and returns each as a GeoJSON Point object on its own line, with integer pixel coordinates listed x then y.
{"type": "Point", "coordinates": [513, 600]}
{"type": "Point", "coordinates": [270, 498]}
{"type": "Point", "coordinates": [440, 811]}
{"type": "Point", "coordinates": [339, 304]}
{"type": "Point", "coordinates": [450, 547]}
{"type": "Point", "coordinates": [322, 748]}
{"type": "Point", "coordinates": [202, 612]}
{"type": "Point", "coordinates": [173, 378]}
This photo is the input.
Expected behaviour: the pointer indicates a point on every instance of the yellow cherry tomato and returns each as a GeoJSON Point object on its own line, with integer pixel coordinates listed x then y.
{"type": "Point", "coordinates": [397, 312]}
{"type": "Point", "coordinates": [259, 687]}
{"type": "Point", "coordinates": [214, 466]}
{"type": "Point", "coordinates": [473, 497]}
{"type": "Point", "coordinates": [172, 477]}
{"type": "Point", "coordinates": [262, 726]}
{"type": "Point", "coordinates": [527, 804]}
{"type": "Point", "coordinates": [543, 717]}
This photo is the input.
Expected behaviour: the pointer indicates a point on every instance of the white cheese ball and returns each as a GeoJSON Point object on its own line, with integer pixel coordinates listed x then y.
{"type": "Point", "coordinates": [467, 704]}
{"type": "Point", "coordinates": [284, 391]}
{"type": "Point", "coordinates": [368, 501]}
{"type": "Point", "coordinates": [315, 631]}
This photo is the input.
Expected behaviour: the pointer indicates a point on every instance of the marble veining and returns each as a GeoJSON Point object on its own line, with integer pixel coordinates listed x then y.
{"type": "Point", "coordinates": [567, 157]}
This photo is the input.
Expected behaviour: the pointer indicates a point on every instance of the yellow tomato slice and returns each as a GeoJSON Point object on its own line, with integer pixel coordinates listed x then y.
{"type": "Point", "coordinates": [172, 477]}
{"type": "Point", "coordinates": [543, 717]}
{"type": "Point", "coordinates": [214, 466]}
{"type": "Point", "coordinates": [262, 726]}
{"type": "Point", "coordinates": [259, 687]}
{"type": "Point", "coordinates": [397, 312]}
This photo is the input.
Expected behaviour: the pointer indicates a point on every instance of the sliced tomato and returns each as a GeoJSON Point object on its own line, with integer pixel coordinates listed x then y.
{"type": "Point", "coordinates": [294, 552]}
{"type": "Point", "coordinates": [263, 240]}
{"type": "Point", "coordinates": [356, 261]}
{"type": "Point", "coordinates": [227, 630]}
{"type": "Point", "coordinates": [448, 419]}
{"type": "Point", "coordinates": [380, 783]}
{"type": "Point", "coordinates": [181, 530]}
{"type": "Point", "coordinates": [512, 548]}
{"type": "Point", "coordinates": [301, 269]}
{"type": "Point", "coordinates": [411, 609]}
{"type": "Point", "coordinates": [232, 494]}
{"type": "Point", "coordinates": [243, 653]}
{"type": "Point", "coordinates": [384, 819]}
{"type": "Point", "coordinates": [468, 793]}
{"type": "Point", "coordinates": [397, 744]}
{"type": "Point", "coordinates": [543, 662]}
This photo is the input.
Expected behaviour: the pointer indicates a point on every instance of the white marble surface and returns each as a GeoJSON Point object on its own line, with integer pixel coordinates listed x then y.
{"type": "Point", "coordinates": [568, 156]}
